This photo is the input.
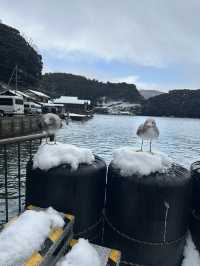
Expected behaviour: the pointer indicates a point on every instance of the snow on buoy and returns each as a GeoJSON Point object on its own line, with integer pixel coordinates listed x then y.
{"type": "Point", "coordinates": [145, 192]}
{"type": "Point", "coordinates": [72, 180]}
{"type": "Point", "coordinates": [132, 162]}
{"type": "Point", "coordinates": [49, 156]}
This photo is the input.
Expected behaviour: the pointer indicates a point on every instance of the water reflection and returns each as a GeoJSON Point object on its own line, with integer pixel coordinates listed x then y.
{"type": "Point", "coordinates": [179, 138]}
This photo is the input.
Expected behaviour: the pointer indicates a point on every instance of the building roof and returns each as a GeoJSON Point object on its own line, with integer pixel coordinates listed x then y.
{"type": "Point", "coordinates": [23, 94]}
{"type": "Point", "coordinates": [70, 100]}
{"type": "Point", "coordinates": [15, 93]}
{"type": "Point", "coordinates": [6, 91]}
{"type": "Point", "coordinates": [39, 93]}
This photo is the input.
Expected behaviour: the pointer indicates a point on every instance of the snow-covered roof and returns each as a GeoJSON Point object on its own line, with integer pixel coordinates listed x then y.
{"type": "Point", "coordinates": [17, 93]}
{"type": "Point", "coordinates": [8, 90]}
{"type": "Point", "coordinates": [70, 100]}
{"type": "Point", "coordinates": [12, 92]}
{"type": "Point", "coordinates": [39, 93]}
{"type": "Point", "coordinates": [20, 93]}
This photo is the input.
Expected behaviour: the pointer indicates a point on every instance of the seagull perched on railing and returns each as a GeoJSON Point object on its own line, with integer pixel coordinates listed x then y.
{"type": "Point", "coordinates": [148, 131]}
{"type": "Point", "coordinates": [50, 123]}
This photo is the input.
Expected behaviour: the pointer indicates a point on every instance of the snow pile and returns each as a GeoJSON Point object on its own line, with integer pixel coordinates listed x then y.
{"type": "Point", "coordinates": [49, 156]}
{"type": "Point", "coordinates": [20, 239]}
{"type": "Point", "coordinates": [82, 254]}
{"type": "Point", "coordinates": [132, 162]}
{"type": "Point", "coordinates": [191, 255]}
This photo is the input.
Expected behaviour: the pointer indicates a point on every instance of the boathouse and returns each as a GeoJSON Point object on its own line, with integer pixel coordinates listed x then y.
{"type": "Point", "coordinates": [51, 107]}
{"type": "Point", "coordinates": [73, 104]}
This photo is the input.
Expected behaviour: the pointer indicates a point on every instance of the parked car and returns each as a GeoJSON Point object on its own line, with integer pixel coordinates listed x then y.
{"type": "Point", "coordinates": [10, 105]}
{"type": "Point", "coordinates": [32, 108]}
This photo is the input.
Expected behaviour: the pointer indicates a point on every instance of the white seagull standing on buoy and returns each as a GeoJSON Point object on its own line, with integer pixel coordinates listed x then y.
{"type": "Point", "coordinates": [148, 131]}
{"type": "Point", "coordinates": [50, 123]}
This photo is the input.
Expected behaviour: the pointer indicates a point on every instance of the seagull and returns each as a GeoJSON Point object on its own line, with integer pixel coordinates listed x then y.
{"type": "Point", "coordinates": [50, 123]}
{"type": "Point", "coordinates": [148, 131]}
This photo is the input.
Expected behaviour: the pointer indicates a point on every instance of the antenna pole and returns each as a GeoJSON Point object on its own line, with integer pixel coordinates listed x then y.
{"type": "Point", "coordinates": [16, 69]}
{"type": "Point", "coordinates": [11, 75]}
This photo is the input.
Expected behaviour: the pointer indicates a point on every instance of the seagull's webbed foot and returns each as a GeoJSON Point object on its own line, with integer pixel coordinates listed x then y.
{"type": "Point", "coordinates": [141, 148]}
{"type": "Point", "coordinates": [150, 150]}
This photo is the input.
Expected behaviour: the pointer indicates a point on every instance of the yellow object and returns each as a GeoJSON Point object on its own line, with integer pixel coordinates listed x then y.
{"type": "Point", "coordinates": [115, 255]}
{"type": "Point", "coordinates": [56, 234]}
{"type": "Point", "coordinates": [35, 260]}
{"type": "Point", "coordinates": [70, 217]}
{"type": "Point", "coordinates": [73, 242]}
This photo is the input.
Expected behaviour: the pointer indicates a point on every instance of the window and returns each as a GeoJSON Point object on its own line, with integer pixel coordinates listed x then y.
{"type": "Point", "coordinates": [6, 101]}
{"type": "Point", "coordinates": [26, 105]}
{"type": "Point", "coordinates": [18, 101]}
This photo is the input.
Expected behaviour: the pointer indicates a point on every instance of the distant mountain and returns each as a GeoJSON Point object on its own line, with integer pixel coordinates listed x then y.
{"type": "Point", "coordinates": [178, 103]}
{"type": "Point", "coordinates": [150, 93]}
{"type": "Point", "coordinates": [56, 84]}
{"type": "Point", "coordinates": [15, 50]}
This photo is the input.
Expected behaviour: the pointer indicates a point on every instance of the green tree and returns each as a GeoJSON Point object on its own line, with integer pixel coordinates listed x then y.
{"type": "Point", "coordinates": [15, 50]}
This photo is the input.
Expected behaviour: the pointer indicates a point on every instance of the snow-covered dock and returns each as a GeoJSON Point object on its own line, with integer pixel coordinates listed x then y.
{"type": "Point", "coordinates": [33, 237]}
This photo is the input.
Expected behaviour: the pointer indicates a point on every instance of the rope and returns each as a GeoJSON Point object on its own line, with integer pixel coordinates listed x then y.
{"type": "Point", "coordinates": [140, 241]}
{"type": "Point", "coordinates": [90, 228]}
{"type": "Point", "coordinates": [195, 215]}
{"type": "Point", "coordinates": [130, 263]}
{"type": "Point", "coordinates": [166, 216]}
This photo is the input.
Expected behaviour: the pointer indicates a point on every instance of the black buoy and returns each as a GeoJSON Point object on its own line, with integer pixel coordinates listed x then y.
{"type": "Point", "coordinates": [147, 217]}
{"type": "Point", "coordinates": [80, 192]}
{"type": "Point", "coordinates": [195, 219]}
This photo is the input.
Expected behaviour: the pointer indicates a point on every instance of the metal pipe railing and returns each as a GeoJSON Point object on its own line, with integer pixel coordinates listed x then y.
{"type": "Point", "coordinates": [11, 151]}
{"type": "Point", "coordinates": [25, 138]}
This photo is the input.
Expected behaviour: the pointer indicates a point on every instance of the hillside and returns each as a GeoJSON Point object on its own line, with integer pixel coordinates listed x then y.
{"type": "Point", "coordinates": [15, 50]}
{"type": "Point", "coordinates": [56, 84]}
{"type": "Point", "coordinates": [150, 93]}
{"type": "Point", "coordinates": [178, 103]}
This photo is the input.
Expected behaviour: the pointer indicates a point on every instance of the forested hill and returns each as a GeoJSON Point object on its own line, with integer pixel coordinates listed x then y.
{"type": "Point", "coordinates": [56, 84]}
{"type": "Point", "coordinates": [16, 51]}
{"type": "Point", "coordinates": [178, 103]}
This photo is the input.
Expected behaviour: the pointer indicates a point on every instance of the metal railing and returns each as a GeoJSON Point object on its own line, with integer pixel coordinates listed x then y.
{"type": "Point", "coordinates": [14, 155]}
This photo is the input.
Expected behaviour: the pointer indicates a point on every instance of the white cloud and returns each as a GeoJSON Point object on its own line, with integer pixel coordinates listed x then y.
{"type": "Point", "coordinates": [146, 32]}
{"type": "Point", "coordinates": [162, 34]}
{"type": "Point", "coordinates": [139, 83]}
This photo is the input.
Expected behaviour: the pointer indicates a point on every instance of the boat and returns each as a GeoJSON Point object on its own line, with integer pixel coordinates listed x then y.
{"type": "Point", "coordinates": [78, 117]}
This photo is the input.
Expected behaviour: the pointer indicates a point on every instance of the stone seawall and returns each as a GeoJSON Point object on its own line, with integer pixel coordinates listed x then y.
{"type": "Point", "coordinates": [19, 125]}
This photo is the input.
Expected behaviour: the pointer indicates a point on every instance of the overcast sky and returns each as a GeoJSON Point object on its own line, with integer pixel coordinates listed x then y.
{"type": "Point", "coordinates": [153, 43]}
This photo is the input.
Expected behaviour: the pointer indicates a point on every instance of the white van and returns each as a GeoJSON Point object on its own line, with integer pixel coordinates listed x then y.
{"type": "Point", "coordinates": [10, 105]}
{"type": "Point", "coordinates": [32, 108]}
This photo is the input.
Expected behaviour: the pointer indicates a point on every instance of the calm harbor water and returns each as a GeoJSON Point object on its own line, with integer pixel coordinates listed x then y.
{"type": "Point", "coordinates": [179, 137]}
